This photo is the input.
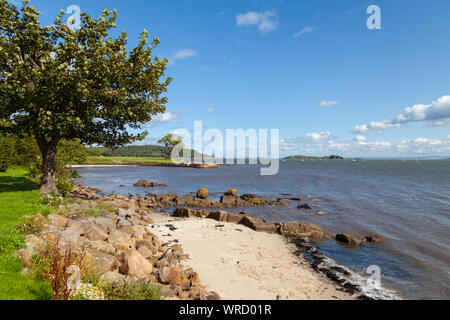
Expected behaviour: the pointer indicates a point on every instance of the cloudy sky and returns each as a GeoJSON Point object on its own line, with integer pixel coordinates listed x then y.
{"type": "Point", "coordinates": [309, 68]}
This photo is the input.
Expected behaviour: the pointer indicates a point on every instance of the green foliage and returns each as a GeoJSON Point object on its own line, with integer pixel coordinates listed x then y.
{"type": "Point", "coordinates": [131, 290]}
{"type": "Point", "coordinates": [129, 151]}
{"type": "Point", "coordinates": [57, 83]}
{"type": "Point", "coordinates": [6, 148]}
{"type": "Point", "coordinates": [60, 83]}
{"type": "Point", "coordinates": [18, 196]}
{"type": "Point", "coordinates": [170, 140]}
{"type": "Point", "coordinates": [30, 224]}
{"type": "Point", "coordinates": [51, 199]}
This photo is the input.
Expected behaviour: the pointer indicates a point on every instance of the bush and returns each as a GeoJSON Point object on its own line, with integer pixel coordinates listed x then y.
{"type": "Point", "coordinates": [6, 149]}
{"type": "Point", "coordinates": [51, 199]}
{"type": "Point", "coordinates": [31, 224]}
{"type": "Point", "coordinates": [131, 290]}
{"type": "Point", "coordinates": [52, 262]}
{"type": "Point", "coordinates": [87, 291]}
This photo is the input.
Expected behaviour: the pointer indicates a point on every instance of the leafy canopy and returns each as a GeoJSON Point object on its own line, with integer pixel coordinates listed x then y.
{"type": "Point", "coordinates": [58, 83]}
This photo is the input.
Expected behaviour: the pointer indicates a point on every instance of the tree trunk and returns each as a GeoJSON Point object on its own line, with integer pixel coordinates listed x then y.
{"type": "Point", "coordinates": [48, 151]}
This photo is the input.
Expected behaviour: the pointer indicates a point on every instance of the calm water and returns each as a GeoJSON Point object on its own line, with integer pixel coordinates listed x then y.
{"type": "Point", "coordinates": [405, 201]}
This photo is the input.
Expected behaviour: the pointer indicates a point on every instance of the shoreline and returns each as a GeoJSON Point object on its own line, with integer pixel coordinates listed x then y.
{"type": "Point", "coordinates": [151, 164]}
{"type": "Point", "coordinates": [241, 264]}
{"type": "Point", "coordinates": [206, 234]}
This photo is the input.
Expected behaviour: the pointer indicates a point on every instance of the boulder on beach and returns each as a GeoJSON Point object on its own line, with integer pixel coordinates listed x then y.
{"type": "Point", "coordinates": [350, 239]}
{"type": "Point", "coordinates": [232, 192]}
{"type": "Point", "coordinates": [259, 225]}
{"type": "Point", "coordinates": [202, 193]}
{"type": "Point", "coordinates": [302, 230]}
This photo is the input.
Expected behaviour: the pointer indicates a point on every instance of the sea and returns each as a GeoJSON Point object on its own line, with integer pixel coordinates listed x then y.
{"type": "Point", "coordinates": [405, 201]}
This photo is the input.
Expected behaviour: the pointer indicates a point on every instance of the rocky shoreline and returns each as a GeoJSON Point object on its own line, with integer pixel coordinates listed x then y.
{"type": "Point", "coordinates": [199, 206]}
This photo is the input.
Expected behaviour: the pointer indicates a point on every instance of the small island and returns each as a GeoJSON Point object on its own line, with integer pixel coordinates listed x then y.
{"type": "Point", "coordinates": [302, 157]}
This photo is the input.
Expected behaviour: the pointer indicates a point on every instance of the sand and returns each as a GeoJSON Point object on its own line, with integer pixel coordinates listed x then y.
{"type": "Point", "coordinates": [239, 263]}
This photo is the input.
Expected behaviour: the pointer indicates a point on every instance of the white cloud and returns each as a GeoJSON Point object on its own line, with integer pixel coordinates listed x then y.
{"type": "Point", "coordinates": [210, 110]}
{"type": "Point", "coordinates": [265, 21]}
{"type": "Point", "coordinates": [360, 139]}
{"type": "Point", "coordinates": [319, 136]}
{"type": "Point", "coordinates": [436, 113]}
{"type": "Point", "coordinates": [324, 103]}
{"type": "Point", "coordinates": [303, 31]}
{"type": "Point", "coordinates": [324, 143]}
{"type": "Point", "coordinates": [165, 117]}
{"type": "Point", "coordinates": [182, 54]}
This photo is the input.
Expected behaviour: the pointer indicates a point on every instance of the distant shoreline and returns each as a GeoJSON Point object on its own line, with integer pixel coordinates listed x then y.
{"type": "Point", "coordinates": [151, 164]}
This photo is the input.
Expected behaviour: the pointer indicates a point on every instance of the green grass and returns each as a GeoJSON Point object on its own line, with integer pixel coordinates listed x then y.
{"type": "Point", "coordinates": [123, 160]}
{"type": "Point", "coordinates": [18, 196]}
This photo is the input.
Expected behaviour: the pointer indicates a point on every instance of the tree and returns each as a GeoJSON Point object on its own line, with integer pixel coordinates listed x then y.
{"type": "Point", "coordinates": [57, 83]}
{"type": "Point", "coordinates": [170, 140]}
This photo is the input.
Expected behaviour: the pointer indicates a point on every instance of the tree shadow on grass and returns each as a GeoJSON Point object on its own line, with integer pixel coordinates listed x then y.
{"type": "Point", "coordinates": [16, 184]}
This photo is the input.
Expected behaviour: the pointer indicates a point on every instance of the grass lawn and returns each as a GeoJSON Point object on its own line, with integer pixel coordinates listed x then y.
{"type": "Point", "coordinates": [123, 160]}
{"type": "Point", "coordinates": [18, 196]}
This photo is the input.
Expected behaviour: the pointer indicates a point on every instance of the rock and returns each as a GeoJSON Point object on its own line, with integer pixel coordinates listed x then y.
{"type": "Point", "coordinates": [166, 291]}
{"type": "Point", "coordinates": [68, 237]}
{"type": "Point", "coordinates": [95, 233]}
{"type": "Point", "coordinates": [190, 213]}
{"type": "Point", "coordinates": [124, 213]}
{"type": "Point", "coordinates": [166, 199]}
{"type": "Point", "coordinates": [57, 220]}
{"type": "Point", "coordinates": [120, 240]}
{"type": "Point", "coordinates": [105, 224]}
{"type": "Point", "coordinates": [218, 215]}
{"type": "Point", "coordinates": [112, 277]}
{"type": "Point", "coordinates": [109, 215]}
{"type": "Point", "coordinates": [126, 228]}
{"type": "Point", "coordinates": [145, 252]}
{"type": "Point", "coordinates": [228, 201]}
{"type": "Point", "coordinates": [102, 246]}
{"type": "Point", "coordinates": [350, 239]}
{"type": "Point", "coordinates": [302, 230]}
{"type": "Point", "coordinates": [123, 222]}
{"type": "Point", "coordinates": [147, 219]}
{"type": "Point", "coordinates": [105, 262]}
{"type": "Point", "coordinates": [254, 200]}
{"type": "Point", "coordinates": [170, 275]}
{"type": "Point", "coordinates": [202, 193]}
{"type": "Point", "coordinates": [212, 296]}
{"type": "Point", "coordinates": [232, 192]}
{"type": "Point", "coordinates": [134, 264]}
{"type": "Point", "coordinates": [148, 244]}
{"type": "Point", "coordinates": [374, 239]}
{"type": "Point", "coordinates": [259, 225]}
{"type": "Point", "coordinates": [304, 206]}
{"type": "Point", "coordinates": [142, 183]}
{"type": "Point", "coordinates": [25, 255]}
{"type": "Point", "coordinates": [34, 241]}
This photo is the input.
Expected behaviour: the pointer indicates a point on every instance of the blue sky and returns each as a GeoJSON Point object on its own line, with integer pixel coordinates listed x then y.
{"type": "Point", "coordinates": [309, 68]}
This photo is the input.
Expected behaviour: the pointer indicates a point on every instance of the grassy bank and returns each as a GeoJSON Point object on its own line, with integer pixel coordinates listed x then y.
{"type": "Point", "coordinates": [18, 196]}
{"type": "Point", "coordinates": [123, 160]}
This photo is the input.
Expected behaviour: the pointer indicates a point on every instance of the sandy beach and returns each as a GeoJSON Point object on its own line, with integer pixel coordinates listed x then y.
{"type": "Point", "coordinates": [239, 263]}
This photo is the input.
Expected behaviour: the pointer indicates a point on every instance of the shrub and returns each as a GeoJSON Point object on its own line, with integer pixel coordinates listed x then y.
{"type": "Point", "coordinates": [31, 224]}
{"type": "Point", "coordinates": [6, 148]}
{"type": "Point", "coordinates": [52, 262]}
{"type": "Point", "coordinates": [51, 199]}
{"type": "Point", "coordinates": [87, 291]}
{"type": "Point", "coordinates": [65, 186]}
{"type": "Point", "coordinates": [131, 290]}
